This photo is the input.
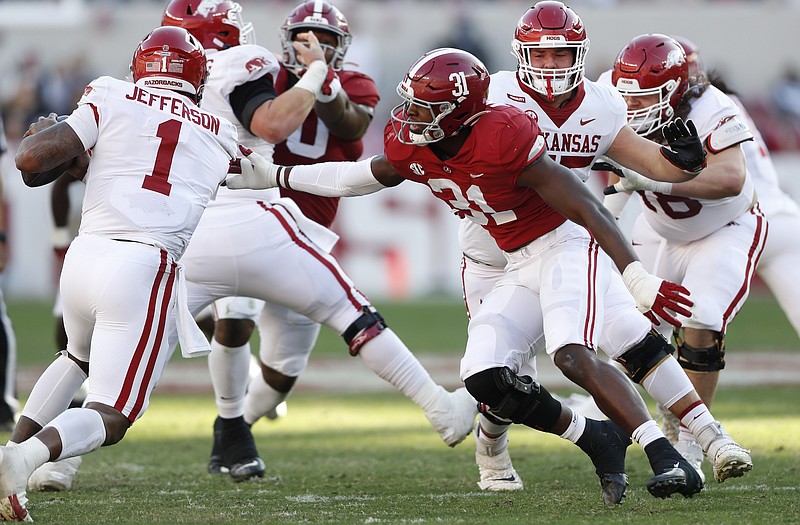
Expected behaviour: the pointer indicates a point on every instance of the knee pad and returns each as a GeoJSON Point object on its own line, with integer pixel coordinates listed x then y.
{"type": "Point", "coordinates": [369, 325]}
{"type": "Point", "coordinates": [645, 356]}
{"type": "Point", "coordinates": [509, 397]}
{"type": "Point", "coordinates": [711, 359]}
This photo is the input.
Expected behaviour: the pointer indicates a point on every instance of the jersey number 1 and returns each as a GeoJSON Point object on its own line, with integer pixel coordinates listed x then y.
{"type": "Point", "coordinates": [168, 132]}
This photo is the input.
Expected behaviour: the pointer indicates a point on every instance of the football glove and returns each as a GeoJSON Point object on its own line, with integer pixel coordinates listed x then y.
{"type": "Point", "coordinates": [630, 181]}
{"type": "Point", "coordinates": [685, 148]}
{"type": "Point", "coordinates": [654, 296]}
{"type": "Point", "coordinates": [252, 172]}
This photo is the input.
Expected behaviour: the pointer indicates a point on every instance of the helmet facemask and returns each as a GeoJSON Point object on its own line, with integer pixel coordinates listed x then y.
{"type": "Point", "coordinates": [545, 81]}
{"type": "Point", "coordinates": [432, 131]}
{"type": "Point", "coordinates": [247, 34]}
{"type": "Point", "coordinates": [649, 119]}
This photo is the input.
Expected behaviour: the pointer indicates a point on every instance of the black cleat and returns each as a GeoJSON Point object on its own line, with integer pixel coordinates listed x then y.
{"type": "Point", "coordinates": [605, 444]}
{"type": "Point", "coordinates": [676, 474]}
{"type": "Point", "coordinates": [614, 487]}
{"type": "Point", "coordinates": [239, 449]}
{"type": "Point", "coordinates": [216, 463]}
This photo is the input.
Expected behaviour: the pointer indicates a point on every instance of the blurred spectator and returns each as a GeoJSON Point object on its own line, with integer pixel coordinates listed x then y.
{"type": "Point", "coordinates": [786, 95]}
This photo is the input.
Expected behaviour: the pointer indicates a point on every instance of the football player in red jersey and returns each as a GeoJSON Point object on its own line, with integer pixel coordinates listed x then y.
{"type": "Point", "coordinates": [582, 121]}
{"type": "Point", "coordinates": [489, 163]}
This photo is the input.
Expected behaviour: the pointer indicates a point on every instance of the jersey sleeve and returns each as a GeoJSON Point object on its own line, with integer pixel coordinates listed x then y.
{"type": "Point", "coordinates": [521, 144]}
{"type": "Point", "coordinates": [85, 119]}
{"type": "Point", "coordinates": [360, 88]}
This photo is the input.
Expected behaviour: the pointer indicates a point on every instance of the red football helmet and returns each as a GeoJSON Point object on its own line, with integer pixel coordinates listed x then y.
{"type": "Point", "coordinates": [315, 16]}
{"type": "Point", "coordinates": [550, 24]}
{"type": "Point", "coordinates": [170, 58]}
{"type": "Point", "coordinates": [696, 66]}
{"type": "Point", "coordinates": [217, 24]}
{"type": "Point", "coordinates": [649, 65]}
{"type": "Point", "coordinates": [452, 84]}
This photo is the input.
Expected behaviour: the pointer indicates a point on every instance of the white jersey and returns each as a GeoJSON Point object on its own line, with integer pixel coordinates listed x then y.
{"type": "Point", "coordinates": [150, 187]}
{"type": "Point", "coordinates": [686, 219]}
{"type": "Point", "coordinates": [576, 136]}
{"type": "Point", "coordinates": [229, 69]}
{"type": "Point", "coordinates": [771, 198]}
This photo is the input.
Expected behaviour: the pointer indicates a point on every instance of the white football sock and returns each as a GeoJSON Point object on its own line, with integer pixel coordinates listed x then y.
{"type": "Point", "coordinates": [81, 430]}
{"type": "Point", "coordinates": [230, 370]}
{"type": "Point", "coordinates": [576, 427]}
{"type": "Point", "coordinates": [54, 390]}
{"type": "Point", "coordinates": [646, 433]}
{"type": "Point", "coordinates": [391, 360]}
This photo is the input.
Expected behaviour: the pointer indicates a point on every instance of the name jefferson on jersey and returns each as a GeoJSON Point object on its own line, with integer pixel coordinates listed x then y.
{"type": "Point", "coordinates": [157, 159]}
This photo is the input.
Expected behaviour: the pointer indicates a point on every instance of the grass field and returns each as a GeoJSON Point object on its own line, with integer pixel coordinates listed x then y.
{"type": "Point", "coordinates": [373, 458]}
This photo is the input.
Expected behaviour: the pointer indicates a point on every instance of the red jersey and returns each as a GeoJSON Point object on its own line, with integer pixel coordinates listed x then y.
{"type": "Point", "coordinates": [480, 182]}
{"type": "Point", "coordinates": [312, 143]}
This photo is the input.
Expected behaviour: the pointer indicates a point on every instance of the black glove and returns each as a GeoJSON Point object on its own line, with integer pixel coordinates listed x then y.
{"type": "Point", "coordinates": [607, 166]}
{"type": "Point", "coordinates": [685, 149]}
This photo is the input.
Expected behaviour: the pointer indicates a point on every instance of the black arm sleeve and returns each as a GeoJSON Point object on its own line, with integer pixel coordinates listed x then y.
{"type": "Point", "coordinates": [246, 98]}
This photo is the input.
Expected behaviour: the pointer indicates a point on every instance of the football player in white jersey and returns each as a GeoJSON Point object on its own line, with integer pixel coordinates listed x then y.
{"type": "Point", "coordinates": [156, 161]}
{"type": "Point", "coordinates": [781, 253]}
{"type": "Point", "coordinates": [581, 121]}
{"type": "Point", "coordinates": [707, 233]}
{"type": "Point", "coordinates": [255, 244]}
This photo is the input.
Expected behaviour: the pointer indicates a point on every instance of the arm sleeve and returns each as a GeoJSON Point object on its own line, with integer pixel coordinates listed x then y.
{"type": "Point", "coordinates": [246, 98]}
{"type": "Point", "coordinates": [333, 179]}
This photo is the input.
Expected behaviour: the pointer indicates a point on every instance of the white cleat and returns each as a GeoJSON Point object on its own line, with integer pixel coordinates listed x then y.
{"type": "Point", "coordinates": [454, 415]}
{"type": "Point", "coordinates": [692, 452]}
{"type": "Point", "coordinates": [728, 458]}
{"type": "Point", "coordinates": [494, 464]}
{"type": "Point", "coordinates": [669, 423]}
{"type": "Point", "coordinates": [14, 472]}
{"type": "Point", "coordinates": [15, 508]}
{"type": "Point", "coordinates": [56, 476]}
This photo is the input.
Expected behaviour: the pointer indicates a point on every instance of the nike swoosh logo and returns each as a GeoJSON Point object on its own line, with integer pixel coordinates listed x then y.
{"type": "Point", "coordinates": [476, 175]}
{"type": "Point", "coordinates": [253, 463]}
{"type": "Point", "coordinates": [586, 121]}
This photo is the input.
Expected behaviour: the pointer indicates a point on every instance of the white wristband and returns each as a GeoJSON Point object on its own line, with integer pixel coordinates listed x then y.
{"type": "Point", "coordinates": [313, 78]}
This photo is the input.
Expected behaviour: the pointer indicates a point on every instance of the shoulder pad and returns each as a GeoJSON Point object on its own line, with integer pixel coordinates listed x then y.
{"type": "Point", "coordinates": [730, 132]}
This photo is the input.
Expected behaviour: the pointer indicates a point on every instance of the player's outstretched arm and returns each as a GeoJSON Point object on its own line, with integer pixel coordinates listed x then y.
{"type": "Point", "coordinates": [328, 179]}
{"type": "Point", "coordinates": [566, 194]}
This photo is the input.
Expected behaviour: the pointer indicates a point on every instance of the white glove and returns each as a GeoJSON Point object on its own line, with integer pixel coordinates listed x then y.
{"type": "Point", "coordinates": [631, 181]}
{"type": "Point", "coordinates": [654, 295]}
{"type": "Point", "coordinates": [252, 172]}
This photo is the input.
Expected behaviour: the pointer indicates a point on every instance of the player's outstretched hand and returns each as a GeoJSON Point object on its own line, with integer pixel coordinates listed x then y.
{"type": "Point", "coordinates": [252, 172]}
{"type": "Point", "coordinates": [685, 148]}
{"type": "Point", "coordinates": [655, 296]}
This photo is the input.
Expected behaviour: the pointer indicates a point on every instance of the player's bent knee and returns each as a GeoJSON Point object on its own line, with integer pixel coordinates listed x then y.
{"type": "Point", "coordinates": [277, 380]}
{"type": "Point", "coordinates": [116, 424]}
{"type": "Point", "coordinates": [366, 327]}
{"type": "Point", "coordinates": [518, 399]}
{"type": "Point", "coordinates": [645, 356]}
{"type": "Point", "coordinates": [710, 359]}
{"type": "Point", "coordinates": [233, 333]}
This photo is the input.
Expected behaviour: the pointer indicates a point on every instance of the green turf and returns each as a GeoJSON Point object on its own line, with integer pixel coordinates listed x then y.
{"type": "Point", "coordinates": [356, 459]}
{"type": "Point", "coordinates": [428, 326]}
